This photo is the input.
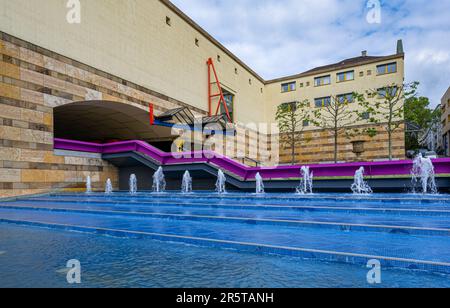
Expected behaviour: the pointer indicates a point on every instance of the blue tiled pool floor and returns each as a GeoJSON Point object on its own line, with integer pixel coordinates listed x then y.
{"type": "Point", "coordinates": [438, 223]}
{"type": "Point", "coordinates": [414, 239]}
{"type": "Point", "coordinates": [36, 257]}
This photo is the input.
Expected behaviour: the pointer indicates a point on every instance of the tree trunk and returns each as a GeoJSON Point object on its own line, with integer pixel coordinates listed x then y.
{"type": "Point", "coordinates": [390, 130]}
{"type": "Point", "coordinates": [293, 148]}
{"type": "Point", "coordinates": [335, 146]}
{"type": "Point", "coordinates": [390, 144]}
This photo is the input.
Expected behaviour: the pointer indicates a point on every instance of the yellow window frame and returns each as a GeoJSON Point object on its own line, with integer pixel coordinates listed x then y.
{"type": "Point", "coordinates": [345, 76]}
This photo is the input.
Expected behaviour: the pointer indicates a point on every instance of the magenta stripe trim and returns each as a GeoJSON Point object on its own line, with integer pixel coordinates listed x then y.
{"type": "Point", "coordinates": [384, 168]}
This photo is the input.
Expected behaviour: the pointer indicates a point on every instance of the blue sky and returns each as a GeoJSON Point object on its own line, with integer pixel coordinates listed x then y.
{"type": "Point", "coordinates": [282, 37]}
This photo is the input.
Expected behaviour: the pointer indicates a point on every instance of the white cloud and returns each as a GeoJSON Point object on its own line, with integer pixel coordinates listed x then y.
{"type": "Point", "coordinates": [283, 37]}
{"type": "Point", "coordinates": [429, 56]}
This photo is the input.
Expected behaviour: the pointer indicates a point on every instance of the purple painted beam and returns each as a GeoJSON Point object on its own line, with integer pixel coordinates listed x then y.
{"type": "Point", "coordinates": [385, 168]}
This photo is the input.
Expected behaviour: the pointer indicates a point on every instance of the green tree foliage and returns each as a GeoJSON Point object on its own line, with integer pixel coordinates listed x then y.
{"type": "Point", "coordinates": [292, 119]}
{"type": "Point", "coordinates": [417, 111]}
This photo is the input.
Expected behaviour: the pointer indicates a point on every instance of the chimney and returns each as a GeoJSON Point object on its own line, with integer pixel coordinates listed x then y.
{"type": "Point", "coordinates": [364, 53]}
{"type": "Point", "coordinates": [400, 49]}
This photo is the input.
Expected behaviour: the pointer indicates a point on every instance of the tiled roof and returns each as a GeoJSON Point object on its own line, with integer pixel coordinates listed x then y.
{"type": "Point", "coordinates": [348, 63]}
{"type": "Point", "coordinates": [352, 61]}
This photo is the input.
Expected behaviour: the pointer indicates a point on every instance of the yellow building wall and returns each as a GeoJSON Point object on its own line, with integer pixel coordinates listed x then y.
{"type": "Point", "coordinates": [360, 84]}
{"type": "Point", "coordinates": [445, 105]}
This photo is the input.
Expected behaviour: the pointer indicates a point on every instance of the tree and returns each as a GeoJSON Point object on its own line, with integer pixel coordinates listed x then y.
{"type": "Point", "coordinates": [417, 111]}
{"type": "Point", "coordinates": [292, 118]}
{"type": "Point", "coordinates": [335, 115]}
{"type": "Point", "coordinates": [386, 106]}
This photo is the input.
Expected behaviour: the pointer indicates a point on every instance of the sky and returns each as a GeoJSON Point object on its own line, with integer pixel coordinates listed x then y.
{"type": "Point", "coordinates": [277, 38]}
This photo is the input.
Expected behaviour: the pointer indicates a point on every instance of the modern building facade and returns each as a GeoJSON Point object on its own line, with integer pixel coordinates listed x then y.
{"type": "Point", "coordinates": [445, 106]}
{"type": "Point", "coordinates": [94, 81]}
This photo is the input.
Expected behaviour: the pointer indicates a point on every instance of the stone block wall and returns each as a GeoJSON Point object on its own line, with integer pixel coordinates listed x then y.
{"type": "Point", "coordinates": [33, 81]}
{"type": "Point", "coordinates": [318, 147]}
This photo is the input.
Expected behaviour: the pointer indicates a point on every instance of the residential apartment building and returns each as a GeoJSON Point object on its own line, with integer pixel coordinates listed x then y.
{"type": "Point", "coordinates": [340, 80]}
{"type": "Point", "coordinates": [445, 105]}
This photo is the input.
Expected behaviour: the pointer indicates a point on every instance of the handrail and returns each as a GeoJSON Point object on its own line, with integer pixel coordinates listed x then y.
{"type": "Point", "coordinates": [373, 169]}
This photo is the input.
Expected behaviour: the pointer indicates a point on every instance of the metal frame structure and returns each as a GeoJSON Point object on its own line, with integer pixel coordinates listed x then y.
{"type": "Point", "coordinates": [211, 96]}
{"type": "Point", "coordinates": [183, 116]}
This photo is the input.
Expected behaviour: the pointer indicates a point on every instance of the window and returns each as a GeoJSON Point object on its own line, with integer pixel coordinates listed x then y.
{"type": "Point", "coordinates": [388, 92]}
{"type": "Point", "coordinates": [218, 58]}
{"type": "Point", "coordinates": [346, 76]}
{"type": "Point", "coordinates": [369, 73]}
{"type": "Point", "coordinates": [322, 81]}
{"type": "Point", "coordinates": [197, 42]}
{"type": "Point", "coordinates": [250, 81]}
{"type": "Point", "coordinates": [301, 85]}
{"type": "Point", "coordinates": [361, 74]}
{"type": "Point", "coordinates": [387, 68]}
{"type": "Point", "coordinates": [168, 21]}
{"type": "Point", "coordinates": [291, 106]}
{"type": "Point", "coordinates": [229, 99]}
{"type": "Point", "coordinates": [305, 123]}
{"type": "Point", "coordinates": [322, 102]}
{"type": "Point", "coordinates": [288, 87]}
{"type": "Point", "coordinates": [365, 115]}
{"type": "Point", "coordinates": [308, 83]}
{"type": "Point", "coordinates": [236, 71]}
{"type": "Point", "coordinates": [345, 98]}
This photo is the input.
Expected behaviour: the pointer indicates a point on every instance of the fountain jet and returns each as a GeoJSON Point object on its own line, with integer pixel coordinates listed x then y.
{"type": "Point", "coordinates": [360, 187]}
{"type": "Point", "coordinates": [423, 175]}
{"type": "Point", "coordinates": [186, 186]}
{"type": "Point", "coordinates": [109, 187]}
{"type": "Point", "coordinates": [133, 184]}
{"type": "Point", "coordinates": [88, 185]}
{"type": "Point", "coordinates": [159, 181]}
{"type": "Point", "coordinates": [306, 183]}
{"type": "Point", "coordinates": [259, 184]}
{"type": "Point", "coordinates": [221, 181]}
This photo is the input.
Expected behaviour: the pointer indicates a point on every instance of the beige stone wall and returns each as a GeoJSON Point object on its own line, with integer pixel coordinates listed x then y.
{"type": "Point", "coordinates": [33, 81]}
{"type": "Point", "coordinates": [317, 146]}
